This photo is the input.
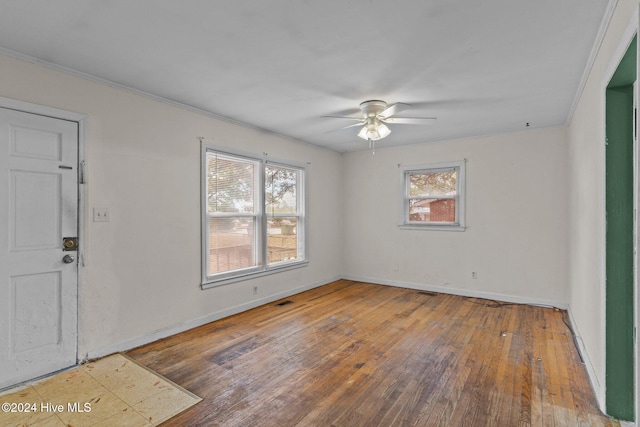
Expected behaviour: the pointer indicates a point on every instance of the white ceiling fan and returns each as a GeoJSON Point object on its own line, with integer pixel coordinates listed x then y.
{"type": "Point", "coordinates": [376, 115]}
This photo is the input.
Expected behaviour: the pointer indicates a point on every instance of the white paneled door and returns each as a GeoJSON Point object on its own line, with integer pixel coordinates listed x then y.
{"type": "Point", "coordinates": [38, 272]}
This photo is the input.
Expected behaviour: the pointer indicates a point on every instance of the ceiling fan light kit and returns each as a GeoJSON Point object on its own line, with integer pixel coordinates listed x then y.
{"type": "Point", "coordinates": [374, 130]}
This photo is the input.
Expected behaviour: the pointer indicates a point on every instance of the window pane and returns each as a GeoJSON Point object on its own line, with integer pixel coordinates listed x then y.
{"type": "Point", "coordinates": [280, 190]}
{"type": "Point", "coordinates": [231, 184]}
{"type": "Point", "coordinates": [435, 183]}
{"type": "Point", "coordinates": [232, 244]}
{"type": "Point", "coordinates": [432, 210]}
{"type": "Point", "coordinates": [282, 239]}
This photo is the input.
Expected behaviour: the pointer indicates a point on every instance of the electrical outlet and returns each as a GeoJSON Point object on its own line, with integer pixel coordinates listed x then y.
{"type": "Point", "coordinates": [474, 275]}
{"type": "Point", "coordinates": [255, 290]}
{"type": "Point", "coordinates": [101, 215]}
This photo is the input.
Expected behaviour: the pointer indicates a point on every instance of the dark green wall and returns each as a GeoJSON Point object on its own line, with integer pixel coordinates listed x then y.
{"type": "Point", "coordinates": [619, 241]}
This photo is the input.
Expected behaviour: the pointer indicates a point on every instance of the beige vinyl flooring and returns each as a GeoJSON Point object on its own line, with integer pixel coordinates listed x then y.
{"type": "Point", "coordinates": [113, 391]}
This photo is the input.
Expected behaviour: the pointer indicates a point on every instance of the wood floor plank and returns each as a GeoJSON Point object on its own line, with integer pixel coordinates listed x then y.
{"type": "Point", "coordinates": [358, 354]}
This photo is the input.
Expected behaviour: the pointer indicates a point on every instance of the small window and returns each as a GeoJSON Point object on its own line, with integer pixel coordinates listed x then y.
{"type": "Point", "coordinates": [253, 217]}
{"type": "Point", "coordinates": [433, 196]}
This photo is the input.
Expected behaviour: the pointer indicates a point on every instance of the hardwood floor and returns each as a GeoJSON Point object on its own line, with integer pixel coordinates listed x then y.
{"type": "Point", "coordinates": [358, 354]}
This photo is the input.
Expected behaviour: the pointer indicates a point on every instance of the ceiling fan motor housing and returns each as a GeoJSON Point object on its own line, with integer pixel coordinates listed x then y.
{"type": "Point", "coordinates": [372, 108]}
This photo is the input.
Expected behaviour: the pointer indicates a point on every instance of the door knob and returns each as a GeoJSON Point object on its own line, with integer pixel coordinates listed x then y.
{"type": "Point", "coordinates": [68, 259]}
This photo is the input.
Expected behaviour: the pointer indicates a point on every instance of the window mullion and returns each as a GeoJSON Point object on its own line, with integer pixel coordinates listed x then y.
{"type": "Point", "coordinates": [232, 215]}
{"type": "Point", "coordinates": [263, 216]}
{"type": "Point", "coordinates": [448, 196]}
{"type": "Point", "coordinates": [282, 214]}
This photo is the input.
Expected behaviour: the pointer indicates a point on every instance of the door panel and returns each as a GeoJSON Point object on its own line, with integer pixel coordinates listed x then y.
{"type": "Point", "coordinates": [34, 221]}
{"type": "Point", "coordinates": [37, 311]}
{"type": "Point", "coordinates": [38, 208]}
{"type": "Point", "coordinates": [35, 143]}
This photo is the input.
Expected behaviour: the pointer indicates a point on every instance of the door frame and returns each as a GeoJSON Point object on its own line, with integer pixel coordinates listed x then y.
{"type": "Point", "coordinates": [620, 189]}
{"type": "Point", "coordinates": [81, 120]}
{"type": "Point", "coordinates": [624, 42]}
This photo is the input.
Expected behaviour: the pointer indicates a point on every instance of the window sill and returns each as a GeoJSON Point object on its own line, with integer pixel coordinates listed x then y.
{"type": "Point", "coordinates": [228, 280]}
{"type": "Point", "coordinates": [432, 227]}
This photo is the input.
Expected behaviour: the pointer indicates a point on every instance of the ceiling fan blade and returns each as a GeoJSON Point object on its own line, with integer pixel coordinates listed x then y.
{"type": "Point", "coordinates": [352, 126]}
{"type": "Point", "coordinates": [345, 127]}
{"type": "Point", "coordinates": [345, 117]}
{"type": "Point", "coordinates": [409, 120]}
{"type": "Point", "coordinates": [394, 109]}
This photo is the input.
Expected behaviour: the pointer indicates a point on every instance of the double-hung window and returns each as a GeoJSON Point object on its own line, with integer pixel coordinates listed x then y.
{"type": "Point", "coordinates": [253, 217]}
{"type": "Point", "coordinates": [433, 196]}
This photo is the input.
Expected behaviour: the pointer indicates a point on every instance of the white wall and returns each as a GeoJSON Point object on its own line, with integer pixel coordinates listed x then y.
{"type": "Point", "coordinates": [516, 239]}
{"type": "Point", "coordinates": [142, 273]}
{"type": "Point", "coordinates": [586, 198]}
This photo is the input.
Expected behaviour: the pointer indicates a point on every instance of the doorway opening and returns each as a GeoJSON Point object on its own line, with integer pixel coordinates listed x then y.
{"type": "Point", "coordinates": [620, 217]}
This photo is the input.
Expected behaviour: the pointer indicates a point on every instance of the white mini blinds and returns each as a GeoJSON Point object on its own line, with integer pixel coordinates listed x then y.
{"type": "Point", "coordinates": [253, 217]}
{"type": "Point", "coordinates": [433, 196]}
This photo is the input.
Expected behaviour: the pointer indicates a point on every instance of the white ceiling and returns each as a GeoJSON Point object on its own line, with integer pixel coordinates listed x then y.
{"type": "Point", "coordinates": [482, 67]}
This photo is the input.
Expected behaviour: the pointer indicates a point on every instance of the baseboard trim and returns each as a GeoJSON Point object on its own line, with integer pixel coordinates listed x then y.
{"type": "Point", "coordinates": [461, 292]}
{"type": "Point", "coordinates": [598, 388]}
{"type": "Point", "coordinates": [176, 329]}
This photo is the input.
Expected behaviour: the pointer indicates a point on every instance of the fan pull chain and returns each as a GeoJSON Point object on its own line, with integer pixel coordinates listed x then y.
{"type": "Point", "coordinates": [372, 146]}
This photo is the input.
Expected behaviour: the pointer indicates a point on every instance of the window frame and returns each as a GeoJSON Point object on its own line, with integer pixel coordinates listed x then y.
{"type": "Point", "coordinates": [261, 250]}
{"type": "Point", "coordinates": [405, 171]}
